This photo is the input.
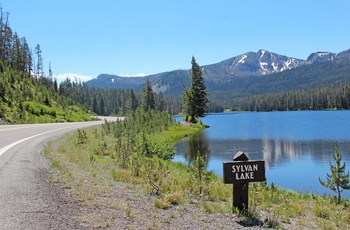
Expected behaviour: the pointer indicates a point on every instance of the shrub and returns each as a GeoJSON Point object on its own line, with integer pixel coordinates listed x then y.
{"type": "Point", "coordinates": [338, 180]}
{"type": "Point", "coordinates": [82, 137]}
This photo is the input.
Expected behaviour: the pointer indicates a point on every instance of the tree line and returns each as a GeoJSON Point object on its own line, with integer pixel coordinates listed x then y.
{"type": "Point", "coordinates": [119, 101]}
{"type": "Point", "coordinates": [14, 50]}
{"type": "Point", "coordinates": [333, 97]}
{"type": "Point", "coordinates": [116, 101]}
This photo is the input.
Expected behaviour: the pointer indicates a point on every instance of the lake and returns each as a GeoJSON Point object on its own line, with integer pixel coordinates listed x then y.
{"type": "Point", "coordinates": [296, 146]}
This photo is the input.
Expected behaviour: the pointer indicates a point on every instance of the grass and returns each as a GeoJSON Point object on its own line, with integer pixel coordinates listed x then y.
{"type": "Point", "coordinates": [90, 169]}
{"type": "Point", "coordinates": [177, 132]}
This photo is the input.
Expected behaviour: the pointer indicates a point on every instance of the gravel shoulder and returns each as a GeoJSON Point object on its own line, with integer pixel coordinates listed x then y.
{"type": "Point", "coordinates": [28, 199]}
{"type": "Point", "coordinates": [128, 207]}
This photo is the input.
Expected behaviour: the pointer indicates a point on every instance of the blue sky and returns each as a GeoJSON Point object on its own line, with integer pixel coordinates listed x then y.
{"type": "Point", "coordinates": [85, 38]}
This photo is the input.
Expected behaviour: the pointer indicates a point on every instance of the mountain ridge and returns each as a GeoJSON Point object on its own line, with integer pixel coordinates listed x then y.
{"type": "Point", "coordinates": [250, 64]}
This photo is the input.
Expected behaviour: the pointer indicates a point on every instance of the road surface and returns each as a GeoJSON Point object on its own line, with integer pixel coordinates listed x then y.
{"type": "Point", "coordinates": [27, 199]}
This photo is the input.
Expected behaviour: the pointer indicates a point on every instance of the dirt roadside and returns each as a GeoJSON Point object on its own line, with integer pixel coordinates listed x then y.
{"type": "Point", "coordinates": [28, 199]}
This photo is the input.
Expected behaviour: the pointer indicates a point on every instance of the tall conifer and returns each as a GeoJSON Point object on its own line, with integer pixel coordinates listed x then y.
{"type": "Point", "coordinates": [195, 98]}
{"type": "Point", "coordinates": [147, 97]}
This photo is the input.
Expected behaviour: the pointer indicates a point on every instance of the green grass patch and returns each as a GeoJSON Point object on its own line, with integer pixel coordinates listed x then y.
{"type": "Point", "coordinates": [176, 132]}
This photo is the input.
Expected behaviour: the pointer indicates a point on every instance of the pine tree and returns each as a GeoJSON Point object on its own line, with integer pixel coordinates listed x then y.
{"type": "Point", "coordinates": [338, 180]}
{"type": "Point", "coordinates": [27, 61]}
{"type": "Point", "coordinates": [147, 97]}
{"type": "Point", "coordinates": [39, 66]}
{"type": "Point", "coordinates": [160, 101]}
{"type": "Point", "coordinates": [186, 100]}
{"type": "Point", "coordinates": [195, 98]}
{"type": "Point", "coordinates": [133, 99]}
{"type": "Point", "coordinates": [102, 107]}
{"type": "Point", "coordinates": [94, 105]}
{"type": "Point", "coordinates": [55, 85]}
{"type": "Point", "coordinates": [50, 71]}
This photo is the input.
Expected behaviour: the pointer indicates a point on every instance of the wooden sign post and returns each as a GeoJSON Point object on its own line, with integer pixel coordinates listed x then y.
{"type": "Point", "coordinates": [240, 172]}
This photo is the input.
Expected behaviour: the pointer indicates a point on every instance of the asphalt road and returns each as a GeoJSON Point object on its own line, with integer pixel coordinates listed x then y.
{"type": "Point", "coordinates": [27, 199]}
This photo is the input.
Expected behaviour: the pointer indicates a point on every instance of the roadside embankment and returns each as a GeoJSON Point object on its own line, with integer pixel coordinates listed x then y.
{"type": "Point", "coordinates": [142, 191]}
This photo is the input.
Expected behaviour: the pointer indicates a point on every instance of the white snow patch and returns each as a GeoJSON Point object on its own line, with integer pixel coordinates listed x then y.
{"type": "Point", "coordinates": [262, 53]}
{"type": "Point", "coordinates": [288, 63]}
{"type": "Point", "coordinates": [136, 75]}
{"type": "Point", "coordinates": [322, 53]}
{"type": "Point", "coordinates": [262, 66]}
{"type": "Point", "coordinates": [112, 80]}
{"type": "Point", "coordinates": [242, 60]}
{"type": "Point", "coordinates": [275, 67]}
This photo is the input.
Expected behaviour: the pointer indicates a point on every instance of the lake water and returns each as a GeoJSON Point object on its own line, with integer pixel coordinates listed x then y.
{"type": "Point", "coordinates": [296, 146]}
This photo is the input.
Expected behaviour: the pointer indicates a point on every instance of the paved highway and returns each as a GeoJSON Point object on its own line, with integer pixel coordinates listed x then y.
{"type": "Point", "coordinates": [27, 199]}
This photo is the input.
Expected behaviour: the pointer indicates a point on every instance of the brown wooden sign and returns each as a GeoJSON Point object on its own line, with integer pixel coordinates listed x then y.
{"type": "Point", "coordinates": [244, 171]}
{"type": "Point", "coordinates": [240, 172]}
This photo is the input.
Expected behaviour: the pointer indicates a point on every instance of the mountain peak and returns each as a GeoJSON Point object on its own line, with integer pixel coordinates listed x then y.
{"type": "Point", "coordinates": [320, 57]}
{"type": "Point", "coordinates": [262, 52]}
{"type": "Point", "coordinates": [262, 62]}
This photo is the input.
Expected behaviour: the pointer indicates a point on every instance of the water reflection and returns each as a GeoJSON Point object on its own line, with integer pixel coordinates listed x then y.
{"type": "Point", "coordinates": [290, 164]}
{"type": "Point", "coordinates": [296, 146]}
{"type": "Point", "coordinates": [195, 146]}
{"type": "Point", "coordinates": [274, 152]}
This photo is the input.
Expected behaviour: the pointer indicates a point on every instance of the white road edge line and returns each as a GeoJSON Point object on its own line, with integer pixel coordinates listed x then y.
{"type": "Point", "coordinates": [7, 147]}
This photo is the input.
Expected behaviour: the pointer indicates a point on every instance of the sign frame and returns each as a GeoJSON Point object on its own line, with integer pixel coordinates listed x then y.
{"type": "Point", "coordinates": [244, 171]}
{"type": "Point", "coordinates": [242, 167]}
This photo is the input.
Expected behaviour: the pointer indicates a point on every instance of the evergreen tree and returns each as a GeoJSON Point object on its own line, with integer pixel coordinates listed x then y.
{"type": "Point", "coordinates": [94, 105]}
{"type": "Point", "coordinates": [39, 66]}
{"type": "Point", "coordinates": [55, 85]}
{"type": "Point", "coordinates": [186, 106]}
{"type": "Point", "coordinates": [195, 98]}
{"type": "Point", "coordinates": [160, 102]}
{"type": "Point", "coordinates": [147, 97]}
{"type": "Point", "coordinates": [338, 180]}
{"type": "Point", "coordinates": [133, 99]}
{"type": "Point", "coordinates": [27, 56]}
{"type": "Point", "coordinates": [16, 58]}
{"type": "Point", "coordinates": [50, 71]}
{"type": "Point", "coordinates": [123, 104]}
{"type": "Point", "coordinates": [102, 106]}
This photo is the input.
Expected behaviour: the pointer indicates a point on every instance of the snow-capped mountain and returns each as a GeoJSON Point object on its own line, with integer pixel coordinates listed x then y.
{"type": "Point", "coordinates": [264, 62]}
{"type": "Point", "coordinates": [320, 57]}
{"type": "Point", "coordinates": [261, 63]}
{"type": "Point", "coordinates": [221, 74]}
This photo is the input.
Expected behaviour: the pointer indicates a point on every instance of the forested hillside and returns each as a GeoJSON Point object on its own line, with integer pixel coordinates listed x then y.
{"type": "Point", "coordinates": [115, 101]}
{"type": "Point", "coordinates": [24, 99]}
{"type": "Point", "coordinates": [26, 94]}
